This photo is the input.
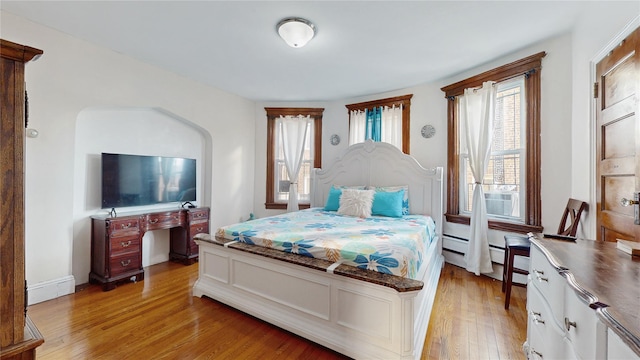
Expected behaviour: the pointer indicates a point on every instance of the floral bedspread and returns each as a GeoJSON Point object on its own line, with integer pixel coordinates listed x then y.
{"type": "Point", "coordinates": [388, 245]}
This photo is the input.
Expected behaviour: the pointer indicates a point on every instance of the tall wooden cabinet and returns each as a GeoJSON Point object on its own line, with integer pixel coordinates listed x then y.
{"type": "Point", "coordinates": [18, 335]}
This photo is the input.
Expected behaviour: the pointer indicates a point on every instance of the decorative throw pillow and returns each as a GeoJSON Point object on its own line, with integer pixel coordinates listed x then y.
{"type": "Point", "coordinates": [356, 203]}
{"type": "Point", "coordinates": [333, 200]}
{"type": "Point", "coordinates": [387, 203]}
{"type": "Point", "coordinates": [405, 198]}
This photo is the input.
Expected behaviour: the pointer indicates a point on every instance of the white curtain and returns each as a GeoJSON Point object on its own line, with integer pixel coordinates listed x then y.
{"type": "Point", "coordinates": [293, 132]}
{"type": "Point", "coordinates": [392, 126]}
{"type": "Point", "coordinates": [357, 126]}
{"type": "Point", "coordinates": [391, 131]}
{"type": "Point", "coordinates": [476, 130]}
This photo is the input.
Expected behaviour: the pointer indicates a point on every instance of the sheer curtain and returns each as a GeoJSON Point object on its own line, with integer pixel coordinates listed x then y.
{"type": "Point", "coordinates": [357, 126]}
{"type": "Point", "coordinates": [476, 127]}
{"type": "Point", "coordinates": [293, 131]}
{"type": "Point", "coordinates": [378, 124]}
{"type": "Point", "coordinates": [392, 126]}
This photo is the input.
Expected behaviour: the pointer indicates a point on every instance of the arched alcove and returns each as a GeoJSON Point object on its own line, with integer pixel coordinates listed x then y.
{"type": "Point", "coordinates": [140, 131]}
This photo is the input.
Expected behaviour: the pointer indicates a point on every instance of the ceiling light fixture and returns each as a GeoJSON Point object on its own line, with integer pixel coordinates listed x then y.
{"type": "Point", "coordinates": [296, 32]}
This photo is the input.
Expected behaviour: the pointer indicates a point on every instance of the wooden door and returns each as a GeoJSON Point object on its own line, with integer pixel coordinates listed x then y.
{"type": "Point", "coordinates": [618, 140]}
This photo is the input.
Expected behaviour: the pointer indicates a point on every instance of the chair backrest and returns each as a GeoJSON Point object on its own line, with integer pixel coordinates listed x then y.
{"type": "Point", "coordinates": [571, 217]}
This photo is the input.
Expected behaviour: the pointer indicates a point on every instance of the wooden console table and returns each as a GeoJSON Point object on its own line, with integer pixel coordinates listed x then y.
{"type": "Point", "coordinates": [116, 242]}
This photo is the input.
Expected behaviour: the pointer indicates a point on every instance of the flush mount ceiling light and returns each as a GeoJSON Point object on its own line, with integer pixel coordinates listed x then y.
{"type": "Point", "coordinates": [296, 32]}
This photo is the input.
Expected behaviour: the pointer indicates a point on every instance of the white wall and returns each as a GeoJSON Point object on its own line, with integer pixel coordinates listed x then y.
{"type": "Point", "coordinates": [74, 75]}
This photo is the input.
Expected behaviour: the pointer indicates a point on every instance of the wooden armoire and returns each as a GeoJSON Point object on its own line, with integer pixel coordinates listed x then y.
{"type": "Point", "coordinates": [18, 335]}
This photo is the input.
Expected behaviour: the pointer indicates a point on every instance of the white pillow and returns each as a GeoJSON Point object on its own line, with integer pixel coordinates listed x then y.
{"type": "Point", "coordinates": [356, 203]}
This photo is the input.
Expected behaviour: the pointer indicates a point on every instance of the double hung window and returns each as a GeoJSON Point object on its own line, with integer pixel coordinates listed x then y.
{"type": "Point", "coordinates": [512, 180]}
{"type": "Point", "coordinates": [278, 181]}
{"type": "Point", "coordinates": [503, 183]}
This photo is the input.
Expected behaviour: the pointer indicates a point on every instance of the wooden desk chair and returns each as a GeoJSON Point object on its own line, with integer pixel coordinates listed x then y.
{"type": "Point", "coordinates": [519, 245]}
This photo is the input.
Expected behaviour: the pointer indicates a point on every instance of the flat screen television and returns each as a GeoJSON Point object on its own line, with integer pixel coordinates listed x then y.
{"type": "Point", "coordinates": [136, 180]}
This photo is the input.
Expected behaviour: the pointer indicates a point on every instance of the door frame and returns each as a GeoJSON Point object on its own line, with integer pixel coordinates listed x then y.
{"type": "Point", "coordinates": [613, 43]}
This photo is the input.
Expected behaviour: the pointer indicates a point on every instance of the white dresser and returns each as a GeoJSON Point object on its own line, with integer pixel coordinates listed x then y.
{"type": "Point", "coordinates": [582, 301]}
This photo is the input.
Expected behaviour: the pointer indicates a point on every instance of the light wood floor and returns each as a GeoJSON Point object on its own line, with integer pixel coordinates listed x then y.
{"type": "Point", "coordinates": [158, 318]}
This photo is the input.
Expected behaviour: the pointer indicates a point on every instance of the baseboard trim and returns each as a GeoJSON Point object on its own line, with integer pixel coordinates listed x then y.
{"type": "Point", "coordinates": [51, 289]}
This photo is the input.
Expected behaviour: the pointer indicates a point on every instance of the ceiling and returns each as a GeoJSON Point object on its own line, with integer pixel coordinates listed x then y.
{"type": "Point", "coordinates": [361, 47]}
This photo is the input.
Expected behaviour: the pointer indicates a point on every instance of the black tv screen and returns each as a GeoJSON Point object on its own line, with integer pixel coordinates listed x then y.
{"type": "Point", "coordinates": [135, 180]}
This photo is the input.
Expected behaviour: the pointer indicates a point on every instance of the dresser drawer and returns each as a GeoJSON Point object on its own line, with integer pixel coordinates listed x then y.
{"type": "Point", "coordinates": [124, 227]}
{"type": "Point", "coordinates": [195, 229]}
{"type": "Point", "coordinates": [122, 264]}
{"type": "Point", "coordinates": [196, 215]}
{"type": "Point", "coordinates": [164, 220]}
{"type": "Point", "coordinates": [547, 336]}
{"type": "Point", "coordinates": [199, 228]}
{"type": "Point", "coordinates": [582, 327]}
{"type": "Point", "coordinates": [124, 245]}
{"type": "Point", "coordinates": [548, 281]}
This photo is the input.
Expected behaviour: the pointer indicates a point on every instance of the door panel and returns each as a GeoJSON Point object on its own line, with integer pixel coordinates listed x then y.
{"type": "Point", "coordinates": [618, 140]}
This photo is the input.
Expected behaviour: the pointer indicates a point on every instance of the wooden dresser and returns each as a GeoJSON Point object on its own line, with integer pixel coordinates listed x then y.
{"type": "Point", "coordinates": [116, 242]}
{"type": "Point", "coordinates": [583, 301]}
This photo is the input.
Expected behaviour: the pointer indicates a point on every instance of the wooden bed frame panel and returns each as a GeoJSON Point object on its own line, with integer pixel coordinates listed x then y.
{"type": "Point", "coordinates": [357, 318]}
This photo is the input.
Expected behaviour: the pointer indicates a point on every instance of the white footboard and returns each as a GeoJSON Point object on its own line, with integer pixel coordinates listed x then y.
{"type": "Point", "coordinates": [357, 318]}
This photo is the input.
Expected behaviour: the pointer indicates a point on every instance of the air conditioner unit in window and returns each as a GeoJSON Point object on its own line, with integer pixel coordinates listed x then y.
{"type": "Point", "coordinates": [501, 203]}
{"type": "Point", "coordinates": [283, 186]}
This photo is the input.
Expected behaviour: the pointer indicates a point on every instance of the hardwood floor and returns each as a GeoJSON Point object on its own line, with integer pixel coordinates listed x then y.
{"type": "Point", "coordinates": [159, 318]}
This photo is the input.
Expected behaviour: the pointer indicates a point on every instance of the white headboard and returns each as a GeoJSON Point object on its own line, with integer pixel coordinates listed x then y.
{"type": "Point", "coordinates": [381, 164]}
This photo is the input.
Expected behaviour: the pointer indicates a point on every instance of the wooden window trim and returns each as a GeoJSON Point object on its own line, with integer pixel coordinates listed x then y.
{"type": "Point", "coordinates": [272, 115]}
{"type": "Point", "coordinates": [404, 100]}
{"type": "Point", "coordinates": [531, 67]}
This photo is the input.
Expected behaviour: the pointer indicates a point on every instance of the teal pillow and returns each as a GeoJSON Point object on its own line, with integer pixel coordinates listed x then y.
{"type": "Point", "coordinates": [387, 203]}
{"type": "Point", "coordinates": [405, 199]}
{"type": "Point", "coordinates": [333, 200]}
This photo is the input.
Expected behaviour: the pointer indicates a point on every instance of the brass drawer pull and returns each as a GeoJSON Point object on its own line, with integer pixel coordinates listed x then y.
{"type": "Point", "coordinates": [125, 226]}
{"type": "Point", "coordinates": [125, 244]}
{"type": "Point", "coordinates": [153, 221]}
{"type": "Point", "coordinates": [200, 229]}
{"type": "Point", "coordinates": [125, 263]}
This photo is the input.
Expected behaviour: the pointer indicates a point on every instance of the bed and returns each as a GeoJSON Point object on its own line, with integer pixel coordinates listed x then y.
{"type": "Point", "coordinates": [360, 311]}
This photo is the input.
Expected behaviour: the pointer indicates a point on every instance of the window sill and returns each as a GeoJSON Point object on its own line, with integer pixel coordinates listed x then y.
{"type": "Point", "coordinates": [496, 225]}
{"type": "Point", "coordinates": [283, 206]}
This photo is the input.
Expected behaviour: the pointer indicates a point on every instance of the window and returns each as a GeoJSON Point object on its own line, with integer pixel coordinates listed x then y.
{"type": "Point", "coordinates": [277, 179]}
{"type": "Point", "coordinates": [512, 180]}
{"type": "Point", "coordinates": [393, 131]}
{"type": "Point", "coordinates": [502, 183]}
